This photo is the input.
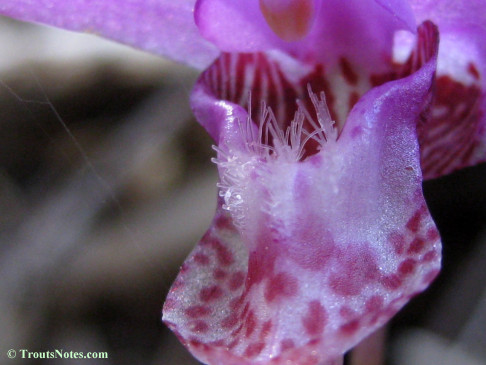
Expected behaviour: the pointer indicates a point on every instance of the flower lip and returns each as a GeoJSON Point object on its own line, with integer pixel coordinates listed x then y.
{"type": "Point", "coordinates": [327, 252]}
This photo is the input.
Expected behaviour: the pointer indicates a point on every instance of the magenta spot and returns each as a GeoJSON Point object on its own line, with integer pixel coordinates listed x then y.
{"type": "Point", "coordinates": [407, 267]}
{"type": "Point", "coordinates": [374, 304]}
{"type": "Point", "coordinates": [237, 280]}
{"type": "Point", "coordinates": [343, 285]}
{"type": "Point", "coordinates": [219, 274]}
{"type": "Point", "coordinates": [199, 326]}
{"type": "Point", "coordinates": [311, 245]}
{"type": "Point", "coordinates": [170, 304]}
{"type": "Point", "coordinates": [210, 293]}
{"type": "Point", "coordinates": [350, 327]}
{"type": "Point", "coordinates": [357, 268]}
{"type": "Point", "coordinates": [280, 286]}
{"type": "Point", "coordinates": [201, 259]}
{"type": "Point", "coordinates": [250, 323]}
{"type": "Point", "coordinates": [392, 281]}
{"type": "Point", "coordinates": [430, 256]}
{"type": "Point", "coordinates": [398, 242]}
{"type": "Point", "coordinates": [315, 319]}
{"type": "Point", "coordinates": [432, 234]}
{"type": "Point", "coordinates": [178, 284]}
{"type": "Point", "coordinates": [224, 256]}
{"type": "Point", "coordinates": [230, 321]}
{"type": "Point", "coordinates": [267, 326]}
{"type": "Point", "coordinates": [286, 344]}
{"type": "Point", "coordinates": [185, 268]}
{"type": "Point", "coordinates": [414, 222]}
{"type": "Point", "coordinates": [195, 343]}
{"type": "Point", "coordinates": [197, 311]}
{"type": "Point", "coordinates": [254, 349]}
{"type": "Point", "coordinates": [416, 246]}
{"type": "Point", "coordinates": [206, 238]}
{"type": "Point", "coordinates": [223, 222]}
{"type": "Point", "coordinates": [314, 341]}
{"type": "Point", "coordinates": [261, 262]}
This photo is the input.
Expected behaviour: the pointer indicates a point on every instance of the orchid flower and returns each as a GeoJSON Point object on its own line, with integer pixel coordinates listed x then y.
{"type": "Point", "coordinates": [323, 139]}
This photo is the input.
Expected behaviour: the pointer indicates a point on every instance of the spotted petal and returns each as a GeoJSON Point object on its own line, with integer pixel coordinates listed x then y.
{"type": "Point", "coordinates": [160, 26]}
{"type": "Point", "coordinates": [455, 136]}
{"type": "Point", "coordinates": [307, 257]}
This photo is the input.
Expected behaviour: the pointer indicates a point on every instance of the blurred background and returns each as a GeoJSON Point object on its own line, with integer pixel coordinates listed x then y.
{"type": "Point", "coordinates": [106, 184]}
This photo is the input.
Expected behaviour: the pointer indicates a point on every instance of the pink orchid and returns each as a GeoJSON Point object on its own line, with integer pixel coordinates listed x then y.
{"type": "Point", "coordinates": [322, 232]}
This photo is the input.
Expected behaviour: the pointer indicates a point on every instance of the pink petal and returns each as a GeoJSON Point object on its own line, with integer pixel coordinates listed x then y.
{"type": "Point", "coordinates": [456, 135]}
{"type": "Point", "coordinates": [160, 26]}
{"type": "Point", "coordinates": [339, 30]}
{"type": "Point", "coordinates": [309, 257]}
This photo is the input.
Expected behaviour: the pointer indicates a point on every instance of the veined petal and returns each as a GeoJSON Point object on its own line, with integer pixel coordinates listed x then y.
{"type": "Point", "coordinates": [161, 26]}
{"type": "Point", "coordinates": [455, 136]}
{"type": "Point", "coordinates": [338, 29]}
{"type": "Point", "coordinates": [279, 81]}
{"type": "Point", "coordinates": [307, 257]}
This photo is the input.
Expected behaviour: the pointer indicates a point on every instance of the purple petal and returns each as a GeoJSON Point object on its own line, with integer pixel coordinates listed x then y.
{"type": "Point", "coordinates": [339, 30]}
{"type": "Point", "coordinates": [455, 137]}
{"type": "Point", "coordinates": [450, 14]}
{"type": "Point", "coordinates": [159, 26]}
{"type": "Point", "coordinates": [309, 257]}
{"type": "Point", "coordinates": [235, 26]}
{"type": "Point", "coordinates": [402, 11]}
